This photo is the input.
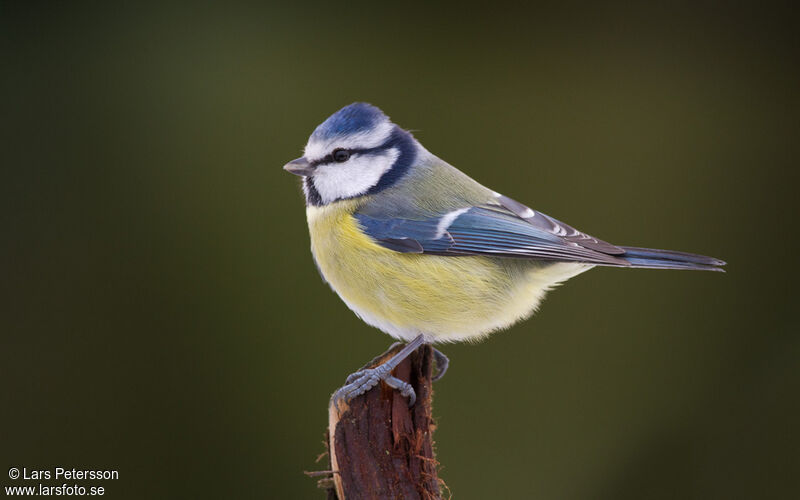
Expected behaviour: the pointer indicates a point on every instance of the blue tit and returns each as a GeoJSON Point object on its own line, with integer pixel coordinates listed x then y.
{"type": "Point", "coordinates": [421, 251]}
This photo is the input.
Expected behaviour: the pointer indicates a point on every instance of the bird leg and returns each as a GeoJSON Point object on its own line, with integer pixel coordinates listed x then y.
{"type": "Point", "coordinates": [363, 380]}
{"type": "Point", "coordinates": [442, 362]}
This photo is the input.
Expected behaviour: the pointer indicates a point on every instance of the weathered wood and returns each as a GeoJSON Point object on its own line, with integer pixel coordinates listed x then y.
{"type": "Point", "coordinates": [379, 448]}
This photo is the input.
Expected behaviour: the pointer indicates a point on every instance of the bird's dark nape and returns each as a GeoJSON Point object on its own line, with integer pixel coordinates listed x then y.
{"type": "Point", "coordinates": [403, 141]}
{"type": "Point", "coordinates": [654, 258]}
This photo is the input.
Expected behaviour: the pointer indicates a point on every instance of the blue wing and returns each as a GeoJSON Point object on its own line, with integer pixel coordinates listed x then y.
{"type": "Point", "coordinates": [491, 229]}
{"type": "Point", "coordinates": [506, 228]}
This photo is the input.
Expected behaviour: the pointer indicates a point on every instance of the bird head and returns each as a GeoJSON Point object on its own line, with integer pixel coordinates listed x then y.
{"type": "Point", "coordinates": [356, 151]}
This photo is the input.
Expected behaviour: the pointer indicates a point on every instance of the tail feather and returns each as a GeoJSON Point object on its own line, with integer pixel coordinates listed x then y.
{"type": "Point", "coordinates": [668, 259]}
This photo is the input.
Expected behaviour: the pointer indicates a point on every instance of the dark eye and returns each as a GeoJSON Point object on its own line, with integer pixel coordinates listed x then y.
{"type": "Point", "coordinates": [341, 155]}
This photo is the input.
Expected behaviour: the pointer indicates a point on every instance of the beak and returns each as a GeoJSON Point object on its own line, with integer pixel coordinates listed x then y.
{"type": "Point", "coordinates": [299, 167]}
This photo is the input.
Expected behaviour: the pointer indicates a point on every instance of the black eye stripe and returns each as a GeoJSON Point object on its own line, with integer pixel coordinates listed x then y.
{"type": "Point", "coordinates": [329, 158]}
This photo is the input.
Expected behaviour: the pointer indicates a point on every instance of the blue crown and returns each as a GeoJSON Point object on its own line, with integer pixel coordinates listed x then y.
{"type": "Point", "coordinates": [357, 117]}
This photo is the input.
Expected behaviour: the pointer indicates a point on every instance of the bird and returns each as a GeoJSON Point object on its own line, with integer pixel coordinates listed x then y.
{"type": "Point", "coordinates": [421, 251]}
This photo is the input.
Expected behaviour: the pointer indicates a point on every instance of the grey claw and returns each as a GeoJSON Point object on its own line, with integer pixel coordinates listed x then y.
{"type": "Point", "coordinates": [404, 387]}
{"type": "Point", "coordinates": [442, 363]}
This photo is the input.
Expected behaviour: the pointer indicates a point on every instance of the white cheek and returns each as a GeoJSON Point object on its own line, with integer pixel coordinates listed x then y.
{"type": "Point", "coordinates": [353, 177]}
{"type": "Point", "coordinates": [372, 138]}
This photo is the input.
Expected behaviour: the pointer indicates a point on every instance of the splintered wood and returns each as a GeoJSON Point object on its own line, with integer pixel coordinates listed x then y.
{"type": "Point", "coordinates": [380, 448]}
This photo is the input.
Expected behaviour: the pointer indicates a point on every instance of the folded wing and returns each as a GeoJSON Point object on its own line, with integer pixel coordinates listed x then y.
{"type": "Point", "coordinates": [490, 229]}
{"type": "Point", "coordinates": [506, 228]}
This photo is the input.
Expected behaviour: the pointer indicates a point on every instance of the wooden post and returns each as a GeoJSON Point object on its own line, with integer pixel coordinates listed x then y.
{"type": "Point", "coordinates": [379, 448]}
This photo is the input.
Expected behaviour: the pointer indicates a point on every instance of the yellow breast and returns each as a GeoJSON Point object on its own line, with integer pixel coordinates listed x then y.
{"type": "Point", "coordinates": [445, 298]}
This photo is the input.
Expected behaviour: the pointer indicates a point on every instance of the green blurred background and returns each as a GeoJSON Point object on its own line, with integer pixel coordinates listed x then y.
{"type": "Point", "coordinates": [161, 314]}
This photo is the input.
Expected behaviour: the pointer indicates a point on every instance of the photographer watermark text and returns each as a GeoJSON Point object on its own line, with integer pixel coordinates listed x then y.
{"type": "Point", "coordinates": [66, 481]}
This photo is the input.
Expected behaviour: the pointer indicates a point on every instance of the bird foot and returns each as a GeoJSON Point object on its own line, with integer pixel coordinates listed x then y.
{"type": "Point", "coordinates": [363, 380]}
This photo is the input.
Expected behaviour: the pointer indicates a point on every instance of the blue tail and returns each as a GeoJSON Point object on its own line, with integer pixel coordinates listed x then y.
{"type": "Point", "coordinates": [667, 259]}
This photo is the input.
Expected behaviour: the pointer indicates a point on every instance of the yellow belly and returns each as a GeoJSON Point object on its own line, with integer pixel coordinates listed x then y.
{"type": "Point", "coordinates": [445, 298]}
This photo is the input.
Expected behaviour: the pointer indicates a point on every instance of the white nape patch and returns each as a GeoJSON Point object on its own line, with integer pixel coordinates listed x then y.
{"type": "Point", "coordinates": [354, 177]}
{"type": "Point", "coordinates": [527, 214]}
{"type": "Point", "coordinates": [316, 149]}
{"type": "Point", "coordinates": [496, 194]}
{"type": "Point", "coordinates": [446, 220]}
